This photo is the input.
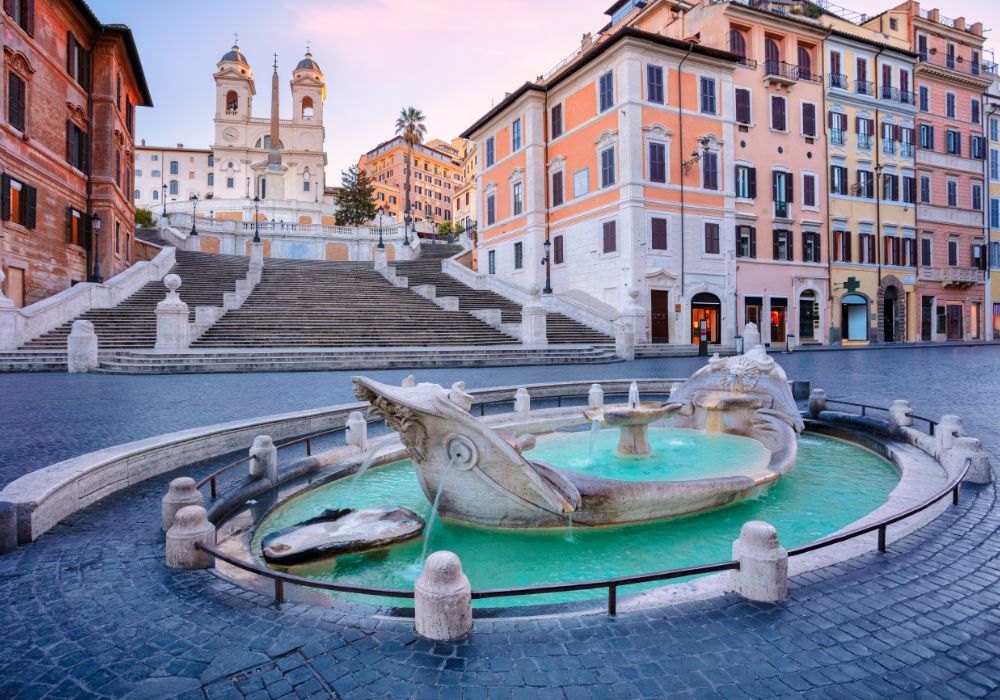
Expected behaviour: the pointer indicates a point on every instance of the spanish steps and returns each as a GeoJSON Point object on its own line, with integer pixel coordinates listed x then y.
{"type": "Point", "coordinates": [427, 270]}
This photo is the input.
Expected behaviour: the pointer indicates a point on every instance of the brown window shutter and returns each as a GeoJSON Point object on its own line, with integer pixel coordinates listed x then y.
{"type": "Point", "coordinates": [789, 187]}
{"type": "Point", "coordinates": [69, 142]}
{"type": "Point", "coordinates": [29, 24]}
{"type": "Point", "coordinates": [753, 242]}
{"type": "Point", "coordinates": [30, 206]}
{"type": "Point", "coordinates": [69, 224]}
{"type": "Point", "coordinates": [70, 42]}
{"type": "Point", "coordinates": [8, 7]}
{"type": "Point", "coordinates": [752, 183]}
{"type": "Point", "coordinates": [5, 197]}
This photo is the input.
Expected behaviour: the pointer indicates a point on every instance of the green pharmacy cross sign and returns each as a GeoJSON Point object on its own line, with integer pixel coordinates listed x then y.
{"type": "Point", "coordinates": [852, 284]}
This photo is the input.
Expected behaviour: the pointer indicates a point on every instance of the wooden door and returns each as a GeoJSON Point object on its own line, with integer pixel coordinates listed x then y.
{"type": "Point", "coordinates": [659, 308]}
{"type": "Point", "coordinates": [15, 285]}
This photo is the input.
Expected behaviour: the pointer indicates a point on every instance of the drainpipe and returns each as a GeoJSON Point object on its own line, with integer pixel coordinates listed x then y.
{"type": "Point", "coordinates": [94, 253]}
{"type": "Point", "coordinates": [680, 129]}
{"type": "Point", "coordinates": [545, 174]}
{"type": "Point", "coordinates": [878, 199]}
{"type": "Point", "coordinates": [829, 216]}
{"type": "Point", "coordinates": [988, 285]}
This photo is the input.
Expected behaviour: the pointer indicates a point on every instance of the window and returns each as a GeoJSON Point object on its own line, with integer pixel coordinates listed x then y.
{"type": "Point", "coordinates": [609, 237]}
{"type": "Point", "coordinates": [950, 104]}
{"type": "Point", "coordinates": [994, 129]}
{"type": "Point", "coordinates": [977, 196]}
{"type": "Point", "coordinates": [230, 183]}
{"type": "Point", "coordinates": [808, 190]}
{"type": "Point", "coordinates": [156, 195]}
{"type": "Point", "coordinates": [517, 196]}
{"type": "Point", "coordinates": [118, 168]}
{"type": "Point", "coordinates": [491, 209]}
{"type": "Point", "coordinates": [954, 142]}
{"type": "Point", "coordinates": [657, 162]}
{"type": "Point", "coordinates": [558, 251]}
{"type": "Point", "coordinates": [838, 130]}
{"type": "Point", "coordinates": [925, 99]}
{"type": "Point", "coordinates": [811, 247]}
{"type": "Point", "coordinates": [174, 168]}
{"type": "Point", "coordinates": [18, 202]}
{"type": "Point", "coordinates": [952, 193]}
{"type": "Point", "coordinates": [974, 110]}
{"type": "Point", "coordinates": [658, 233]}
{"type": "Point", "coordinates": [890, 187]}
{"type": "Point", "coordinates": [781, 192]}
{"type": "Point", "coordinates": [608, 167]}
{"type": "Point", "coordinates": [712, 238]}
{"type": "Point", "coordinates": [953, 252]}
{"type": "Point", "coordinates": [925, 189]}
{"type": "Point", "coordinates": [710, 171]}
{"type": "Point", "coordinates": [809, 119]}
{"type": "Point", "coordinates": [23, 14]}
{"type": "Point", "coordinates": [742, 106]}
{"type": "Point", "coordinates": [16, 101]}
{"type": "Point", "coordinates": [778, 121]}
{"type": "Point", "coordinates": [783, 245]}
{"type": "Point", "coordinates": [909, 189]}
{"type": "Point", "coordinates": [490, 151]}
{"type": "Point", "coordinates": [995, 216]}
{"type": "Point", "coordinates": [491, 257]}
{"type": "Point", "coordinates": [74, 225]}
{"type": "Point", "coordinates": [606, 90]}
{"type": "Point", "coordinates": [654, 84]}
{"type": "Point", "coordinates": [746, 182]}
{"type": "Point", "coordinates": [838, 179]}
{"type": "Point", "coordinates": [211, 160]}
{"type": "Point", "coordinates": [708, 95]}
{"type": "Point", "coordinates": [306, 185]}
{"type": "Point", "coordinates": [738, 44]}
{"type": "Point", "coordinates": [557, 121]}
{"type": "Point", "coordinates": [925, 252]}
{"type": "Point", "coordinates": [746, 242]}
{"type": "Point", "coordinates": [977, 149]}
{"type": "Point", "coordinates": [842, 249]}
{"type": "Point", "coordinates": [76, 148]}
{"type": "Point", "coordinates": [866, 184]}
{"type": "Point", "coordinates": [866, 242]}
{"type": "Point", "coordinates": [927, 137]}
{"type": "Point", "coordinates": [515, 136]}
{"type": "Point", "coordinates": [211, 180]}
{"type": "Point", "coordinates": [518, 255]}
{"type": "Point", "coordinates": [78, 64]}
{"type": "Point", "coordinates": [581, 182]}
{"type": "Point", "coordinates": [557, 188]}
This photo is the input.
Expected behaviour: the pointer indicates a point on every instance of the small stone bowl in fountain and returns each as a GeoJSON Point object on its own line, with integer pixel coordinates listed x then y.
{"type": "Point", "coordinates": [632, 420]}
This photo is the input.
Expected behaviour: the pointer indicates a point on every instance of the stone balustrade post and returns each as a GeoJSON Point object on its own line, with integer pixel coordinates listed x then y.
{"type": "Point", "coordinates": [901, 413]}
{"type": "Point", "coordinates": [443, 598]}
{"type": "Point", "coordinates": [533, 324]}
{"type": "Point", "coordinates": [380, 257]}
{"type": "Point", "coordinates": [264, 459]}
{"type": "Point", "coordinates": [763, 572]}
{"type": "Point", "coordinates": [964, 448]}
{"type": "Point", "coordinates": [191, 526]}
{"type": "Point", "coordinates": [357, 430]}
{"type": "Point", "coordinates": [81, 347]}
{"type": "Point", "coordinates": [948, 428]}
{"type": "Point", "coordinates": [624, 340]}
{"type": "Point", "coordinates": [595, 397]}
{"type": "Point", "coordinates": [10, 320]}
{"type": "Point", "coordinates": [172, 327]}
{"type": "Point", "coordinates": [817, 402]}
{"type": "Point", "coordinates": [181, 493]}
{"type": "Point", "coordinates": [522, 401]}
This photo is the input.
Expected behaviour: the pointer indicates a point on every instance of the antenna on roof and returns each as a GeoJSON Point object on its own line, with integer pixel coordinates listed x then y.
{"type": "Point", "coordinates": [308, 43]}
{"type": "Point", "coordinates": [236, 39]}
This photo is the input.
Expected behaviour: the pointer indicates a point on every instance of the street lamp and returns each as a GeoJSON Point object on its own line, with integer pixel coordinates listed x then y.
{"type": "Point", "coordinates": [547, 261]}
{"type": "Point", "coordinates": [256, 219]}
{"type": "Point", "coordinates": [95, 226]}
{"type": "Point", "coordinates": [164, 201]}
{"type": "Point", "coordinates": [194, 215]}
{"type": "Point", "coordinates": [378, 217]}
{"type": "Point", "coordinates": [406, 228]}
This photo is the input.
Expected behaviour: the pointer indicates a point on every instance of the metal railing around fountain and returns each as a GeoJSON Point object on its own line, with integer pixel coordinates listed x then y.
{"type": "Point", "coordinates": [612, 585]}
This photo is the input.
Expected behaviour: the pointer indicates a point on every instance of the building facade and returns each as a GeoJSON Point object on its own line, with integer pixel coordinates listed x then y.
{"type": "Point", "coordinates": [70, 89]}
{"type": "Point", "coordinates": [991, 131]}
{"type": "Point", "coordinates": [466, 199]}
{"type": "Point", "coordinates": [437, 177]}
{"type": "Point", "coordinates": [171, 175]}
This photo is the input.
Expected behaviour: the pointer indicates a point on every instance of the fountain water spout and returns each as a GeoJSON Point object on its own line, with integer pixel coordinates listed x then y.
{"type": "Point", "coordinates": [633, 396]}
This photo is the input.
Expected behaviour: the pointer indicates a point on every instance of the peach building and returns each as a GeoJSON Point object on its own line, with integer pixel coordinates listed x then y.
{"type": "Point", "coordinates": [69, 92]}
{"type": "Point", "coordinates": [621, 158]}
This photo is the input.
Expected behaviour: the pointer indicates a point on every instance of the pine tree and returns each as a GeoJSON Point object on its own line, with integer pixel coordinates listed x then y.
{"type": "Point", "coordinates": [356, 202]}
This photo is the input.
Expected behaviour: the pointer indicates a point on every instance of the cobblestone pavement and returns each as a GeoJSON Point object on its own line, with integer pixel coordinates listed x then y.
{"type": "Point", "coordinates": [90, 609]}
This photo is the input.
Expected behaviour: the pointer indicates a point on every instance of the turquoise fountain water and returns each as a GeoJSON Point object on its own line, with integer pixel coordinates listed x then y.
{"type": "Point", "coordinates": [833, 484]}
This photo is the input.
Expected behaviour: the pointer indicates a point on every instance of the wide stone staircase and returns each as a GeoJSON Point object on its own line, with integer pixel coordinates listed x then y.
{"type": "Point", "coordinates": [315, 304]}
{"type": "Point", "coordinates": [427, 270]}
{"type": "Point", "coordinates": [132, 324]}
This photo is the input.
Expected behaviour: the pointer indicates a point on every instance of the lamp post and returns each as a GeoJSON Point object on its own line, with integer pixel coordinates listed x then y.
{"type": "Point", "coordinates": [194, 215]}
{"type": "Point", "coordinates": [164, 201]}
{"type": "Point", "coordinates": [406, 228]}
{"type": "Point", "coordinates": [378, 218]}
{"type": "Point", "coordinates": [547, 261]}
{"type": "Point", "coordinates": [95, 226]}
{"type": "Point", "coordinates": [256, 219]}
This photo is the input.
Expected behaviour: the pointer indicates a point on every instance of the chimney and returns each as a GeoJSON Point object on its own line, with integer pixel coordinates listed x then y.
{"type": "Point", "coordinates": [960, 23]}
{"type": "Point", "coordinates": [586, 41]}
{"type": "Point", "coordinates": [143, 142]}
{"type": "Point", "coordinates": [977, 28]}
{"type": "Point", "coordinates": [934, 15]}
{"type": "Point", "coordinates": [180, 145]}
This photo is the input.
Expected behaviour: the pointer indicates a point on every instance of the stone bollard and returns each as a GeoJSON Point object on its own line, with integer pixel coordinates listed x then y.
{"type": "Point", "coordinates": [817, 402]}
{"type": "Point", "coordinates": [533, 325]}
{"type": "Point", "coordinates": [264, 459]}
{"type": "Point", "coordinates": [181, 493]}
{"type": "Point", "coordinates": [624, 340]}
{"type": "Point", "coordinates": [964, 448]}
{"type": "Point", "coordinates": [763, 572]}
{"type": "Point", "coordinates": [381, 258]}
{"type": "Point", "coordinates": [595, 397]}
{"type": "Point", "coordinates": [901, 413]}
{"type": "Point", "coordinates": [948, 428]}
{"type": "Point", "coordinates": [357, 430]}
{"type": "Point", "coordinates": [172, 327]}
{"type": "Point", "coordinates": [191, 526]}
{"type": "Point", "coordinates": [443, 598]}
{"type": "Point", "coordinates": [522, 401]}
{"type": "Point", "coordinates": [81, 347]}
{"type": "Point", "coordinates": [8, 527]}
{"type": "Point", "coordinates": [409, 381]}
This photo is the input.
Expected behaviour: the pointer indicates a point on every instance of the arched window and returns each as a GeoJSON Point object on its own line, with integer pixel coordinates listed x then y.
{"type": "Point", "coordinates": [737, 44]}
{"type": "Point", "coordinates": [307, 107]}
{"type": "Point", "coordinates": [138, 194]}
{"type": "Point", "coordinates": [306, 184]}
{"type": "Point", "coordinates": [232, 102]}
{"type": "Point", "coordinates": [772, 56]}
{"type": "Point", "coordinates": [173, 187]}
{"type": "Point", "coordinates": [174, 167]}
{"type": "Point", "coordinates": [156, 195]}
{"type": "Point", "coordinates": [805, 63]}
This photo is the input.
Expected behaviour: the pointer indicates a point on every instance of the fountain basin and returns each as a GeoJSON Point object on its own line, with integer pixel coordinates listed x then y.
{"type": "Point", "coordinates": [632, 421]}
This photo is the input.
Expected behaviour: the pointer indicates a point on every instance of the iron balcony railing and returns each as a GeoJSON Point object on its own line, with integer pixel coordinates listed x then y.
{"type": "Point", "coordinates": [907, 97]}
{"type": "Point", "coordinates": [907, 150]}
{"type": "Point", "coordinates": [781, 210]}
{"type": "Point", "coordinates": [863, 87]}
{"type": "Point", "coordinates": [789, 71]}
{"type": "Point", "coordinates": [889, 146]}
{"type": "Point", "coordinates": [865, 142]}
{"type": "Point", "coordinates": [959, 64]}
{"type": "Point", "coordinates": [838, 80]}
{"type": "Point", "coordinates": [890, 93]}
{"type": "Point", "coordinates": [838, 137]}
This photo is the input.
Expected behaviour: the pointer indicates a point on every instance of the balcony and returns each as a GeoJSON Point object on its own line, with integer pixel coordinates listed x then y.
{"type": "Point", "coordinates": [889, 147]}
{"type": "Point", "coordinates": [952, 276]}
{"type": "Point", "coordinates": [781, 210]}
{"type": "Point", "coordinates": [959, 64]}
{"type": "Point", "coordinates": [838, 137]}
{"type": "Point", "coordinates": [783, 73]}
{"type": "Point", "coordinates": [864, 142]}
{"type": "Point", "coordinates": [907, 150]}
{"type": "Point", "coordinates": [838, 80]}
{"type": "Point", "coordinates": [890, 93]}
{"type": "Point", "coordinates": [864, 87]}
{"type": "Point", "coordinates": [907, 97]}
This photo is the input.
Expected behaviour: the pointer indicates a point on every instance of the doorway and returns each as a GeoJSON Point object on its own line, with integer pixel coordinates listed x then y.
{"type": "Point", "coordinates": [15, 286]}
{"type": "Point", "coordinates": [808, 316]}
{"type": "Point", "coordinates": [954, 321]}
{"type": "Point", "coordinates": [926, 317]}
{"type": "Point", "coordinates": [659, 310]}
{"type": "Point", "coordinates": [889, 300]}
{"type": "Point", "coordinates": [779, 319]}
{"type": "Point", "coordinates": [854, 317]}
{"type": "Point", "coordinates": [705, 307]}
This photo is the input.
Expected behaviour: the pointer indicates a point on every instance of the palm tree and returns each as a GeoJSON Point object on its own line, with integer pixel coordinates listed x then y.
{"type": "Point", "coordinates": [410, 125]}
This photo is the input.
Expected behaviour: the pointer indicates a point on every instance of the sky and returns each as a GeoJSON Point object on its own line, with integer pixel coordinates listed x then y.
{"type": "Point", "coordinates": [453, 59]}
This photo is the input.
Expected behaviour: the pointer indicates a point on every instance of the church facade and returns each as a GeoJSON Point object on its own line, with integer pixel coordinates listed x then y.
{"type": "Point", "coordinates": [280, 161]}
